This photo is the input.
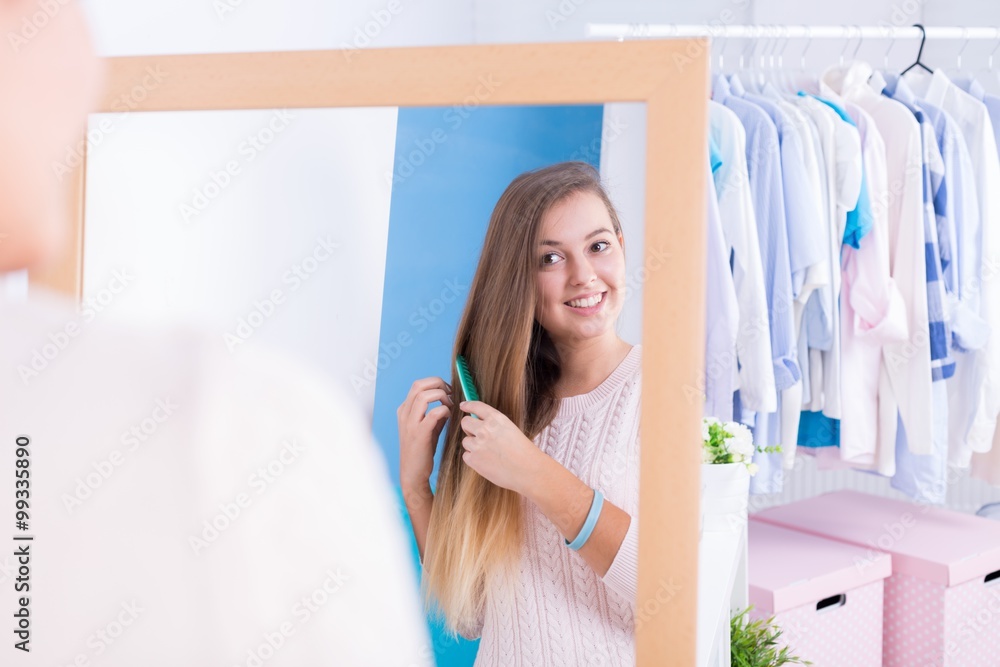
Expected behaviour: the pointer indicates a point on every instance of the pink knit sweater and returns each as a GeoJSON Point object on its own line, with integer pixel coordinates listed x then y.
{"type": "Point", "coordinates": [558, 611]}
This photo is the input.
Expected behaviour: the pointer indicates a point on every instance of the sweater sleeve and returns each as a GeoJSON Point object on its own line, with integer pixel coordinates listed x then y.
{"type": "Point", "coordinates": [623, 575]}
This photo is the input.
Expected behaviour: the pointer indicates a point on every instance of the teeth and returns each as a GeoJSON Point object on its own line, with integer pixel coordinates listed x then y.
{"type": "Point", "coordinates": [587, 303]}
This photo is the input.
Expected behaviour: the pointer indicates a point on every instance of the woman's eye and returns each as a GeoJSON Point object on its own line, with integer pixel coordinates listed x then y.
{"type": "Point", "coordinates": [599, 243]}
{"type": "Point", "coordinates": [546, 256]}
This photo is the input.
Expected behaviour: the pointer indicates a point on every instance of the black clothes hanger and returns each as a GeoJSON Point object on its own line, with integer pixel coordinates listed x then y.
{"type": "Point", "coordinates": [923, 38]}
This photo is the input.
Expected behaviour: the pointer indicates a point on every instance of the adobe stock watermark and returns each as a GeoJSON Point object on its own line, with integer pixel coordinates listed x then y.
{"type": "Point", "coordinates": [365, 34]}
{"type": "Point", "coordinates": [695, 49]}
{"type": "Point", "coordinates": [225, 7]}
{"type": "Point", "coordinates": [123, 104]}
{"type": "Point", "coordinates": [902, 14]}
{"type": "Point", "coordinates": [131, 440]}
{"type": "Point", "coordinates": [301, 613]}
{"type": "Point", "coordinates": [891, 534]}
{"type": "Point", "coordinates": [31, 26]}
{"type": "Point", "coordinates": [986, 619]}
{"type": "Point", "coordinates": [563, 11]}
{"type": "Point", "coordinates": [44, 355]}
{"type": "Point", "coordinates": [104, 637]}
{"type": "Point", "coordinates": [296, 276]}
{"type": "Point", "coordinates": [409, 160]}
{"type": "Point", "coordinates": [231, 510]}
{"type": "Point", "coordinates": [419, 321]}
{"type": "Point", "coordinates": [220, 179]}
{"type": "Point", "coordinates": [664, 594]}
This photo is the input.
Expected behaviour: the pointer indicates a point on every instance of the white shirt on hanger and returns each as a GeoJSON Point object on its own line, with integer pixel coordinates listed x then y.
{"type": "Point", "coordinates": [906, 363]}
{"type": "Point", "coordinates": [974, 390]}
{"type": "Point", "coordinates": [873, 312]}
{"type": "Point", "coordinates": [841, 151]}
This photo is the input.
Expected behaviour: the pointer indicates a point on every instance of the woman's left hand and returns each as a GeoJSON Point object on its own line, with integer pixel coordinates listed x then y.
{"type": "Point", "coordinates": [496, 448]}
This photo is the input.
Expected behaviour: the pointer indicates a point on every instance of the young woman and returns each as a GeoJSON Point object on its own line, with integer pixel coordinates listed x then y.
{"type": "Point", "coordinates": [531, 539]}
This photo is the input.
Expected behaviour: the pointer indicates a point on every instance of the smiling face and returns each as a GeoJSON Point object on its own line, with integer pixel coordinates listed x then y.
{"type": "Point", "coordinates": [581, 270]}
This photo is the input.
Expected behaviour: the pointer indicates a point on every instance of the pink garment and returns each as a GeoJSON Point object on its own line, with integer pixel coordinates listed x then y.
{"type": "Point", "coordinates": [558, 611]}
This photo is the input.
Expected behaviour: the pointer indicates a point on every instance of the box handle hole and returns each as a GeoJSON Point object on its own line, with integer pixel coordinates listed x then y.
{"type": "Point", "coordinates": [992, 576]}
{"type": "Point", "coordinates": [831, 602]}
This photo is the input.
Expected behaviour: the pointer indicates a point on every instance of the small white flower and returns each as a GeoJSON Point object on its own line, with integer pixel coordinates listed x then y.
{"type": "Point", "coordinates": [741, 441]}
{"type": "Point", "coordinates": [752, 469]}
{"type": "Point", "coordinates": [706, 457]}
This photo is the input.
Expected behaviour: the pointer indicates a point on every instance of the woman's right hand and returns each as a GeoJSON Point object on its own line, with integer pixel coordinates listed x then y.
{"type": "Point", "coordinates": [419, 430]}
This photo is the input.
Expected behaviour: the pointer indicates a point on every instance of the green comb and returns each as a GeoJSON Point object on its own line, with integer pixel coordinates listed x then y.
{"type": "Point", "coordinates": [465, 378]}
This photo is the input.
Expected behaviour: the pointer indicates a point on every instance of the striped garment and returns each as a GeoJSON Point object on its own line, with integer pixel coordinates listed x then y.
{"type": "Point", "coordinates": [942, 363]}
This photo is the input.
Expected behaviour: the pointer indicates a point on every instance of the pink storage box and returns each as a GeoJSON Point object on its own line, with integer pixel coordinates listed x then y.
{"type": "Point", "coordinates": [829, 610]}
{"type": "Point", "coordinates": [942, 602]}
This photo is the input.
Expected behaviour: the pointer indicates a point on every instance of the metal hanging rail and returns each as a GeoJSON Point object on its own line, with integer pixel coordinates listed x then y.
{"type": "Point", "coordinates": [718, 29]}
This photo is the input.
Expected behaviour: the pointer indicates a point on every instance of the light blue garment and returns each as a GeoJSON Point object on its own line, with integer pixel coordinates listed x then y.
{"type": "Point", "coordinates": [860, 219]}
{"type": "Point", "coordinates": [960, 195]}
{"type": "Point", "coordinates": [766, 155]}
{"type": "Point", "coordinates": [714, 154]}
{"type": "Point", "coordinates": [721, 318]}
{"type": "Point", "coordinates": [739, 228]}
{"type": "Point", "coordinates": [992, 103]}
{"type": "Point", "coordinates": [805, 247]}
{"type": "Point", "coordinates": [764, 171]}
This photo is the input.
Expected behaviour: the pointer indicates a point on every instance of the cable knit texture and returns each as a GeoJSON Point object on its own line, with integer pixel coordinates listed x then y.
{"type": "Point", "coordinates": [557, 610]}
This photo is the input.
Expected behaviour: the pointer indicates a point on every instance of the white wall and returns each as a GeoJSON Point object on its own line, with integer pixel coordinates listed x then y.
{"type": "Point", "coordinates": [260, 226]}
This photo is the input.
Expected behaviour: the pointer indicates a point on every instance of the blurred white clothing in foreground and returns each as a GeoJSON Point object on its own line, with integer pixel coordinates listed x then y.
{"type": "Point", "coordinates": [192, 507]}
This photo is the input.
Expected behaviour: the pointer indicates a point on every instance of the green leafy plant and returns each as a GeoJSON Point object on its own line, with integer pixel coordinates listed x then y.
{"type": "Point", "coordinates": [755, 643]}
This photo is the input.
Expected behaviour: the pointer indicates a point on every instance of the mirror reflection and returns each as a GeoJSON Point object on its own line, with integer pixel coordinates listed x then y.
{"type": "Point", "coordinates": [380, 243]}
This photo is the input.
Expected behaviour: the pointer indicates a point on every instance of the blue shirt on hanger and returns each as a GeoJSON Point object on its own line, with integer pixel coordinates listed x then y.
{"type": "Point", "coordinates": [805, 248]}
{"type": "Point", "coordinates": [764, 171]}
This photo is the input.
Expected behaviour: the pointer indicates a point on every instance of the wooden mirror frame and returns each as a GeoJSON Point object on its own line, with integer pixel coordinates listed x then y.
{"type": "Point", "coordinates": [672, 78]}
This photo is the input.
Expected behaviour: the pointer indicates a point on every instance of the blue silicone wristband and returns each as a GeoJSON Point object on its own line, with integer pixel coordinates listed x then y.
{"type": "Point", "coordinates": [588, 525]}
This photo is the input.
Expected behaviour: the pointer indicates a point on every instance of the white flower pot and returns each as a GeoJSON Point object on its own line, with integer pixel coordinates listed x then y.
{"type": "Point", "coordinates": [725, 492]}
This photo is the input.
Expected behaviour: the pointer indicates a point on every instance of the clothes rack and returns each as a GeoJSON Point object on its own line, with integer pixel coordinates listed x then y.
{"type": "Point", "coordinates": [623, 30]}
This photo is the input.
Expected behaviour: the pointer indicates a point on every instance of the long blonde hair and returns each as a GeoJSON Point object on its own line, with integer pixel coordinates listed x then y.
{"type": "Point", "coordinates": [476, 528]}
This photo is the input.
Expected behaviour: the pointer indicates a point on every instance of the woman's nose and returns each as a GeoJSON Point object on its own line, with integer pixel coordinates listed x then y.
{"type": "Point", "coordinates": [582, 272]}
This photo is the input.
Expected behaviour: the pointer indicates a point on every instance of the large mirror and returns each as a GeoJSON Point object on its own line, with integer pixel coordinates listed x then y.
{"type": "Point", "coordinates": [336, 209]}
